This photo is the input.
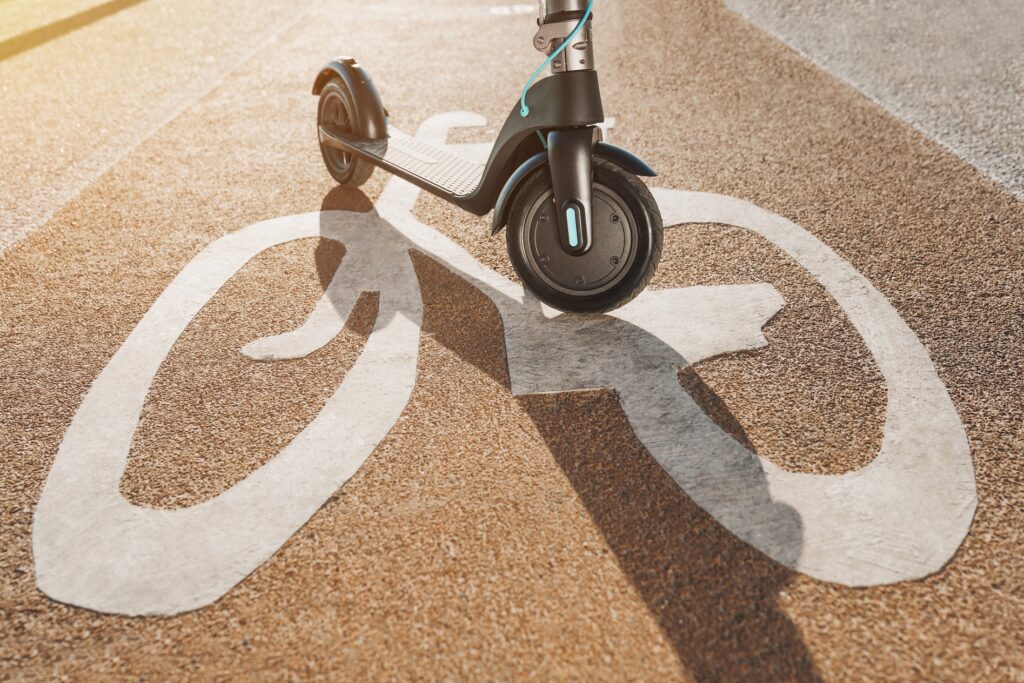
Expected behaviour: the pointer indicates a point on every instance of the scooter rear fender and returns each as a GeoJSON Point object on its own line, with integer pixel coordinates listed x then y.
{"type": "Point", "coordinates": [372, 118]}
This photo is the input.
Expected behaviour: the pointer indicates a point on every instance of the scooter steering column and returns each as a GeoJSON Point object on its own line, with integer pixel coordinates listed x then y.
{"type": "Point", "coordinates": [570, 150]}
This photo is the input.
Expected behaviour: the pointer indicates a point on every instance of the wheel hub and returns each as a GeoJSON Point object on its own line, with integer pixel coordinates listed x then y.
{"type": "Point", "coordinates": [602, 267]}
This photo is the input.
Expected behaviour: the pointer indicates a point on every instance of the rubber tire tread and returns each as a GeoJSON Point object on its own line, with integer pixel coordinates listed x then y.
{"type": "Point", "coordinates": [360, 170]}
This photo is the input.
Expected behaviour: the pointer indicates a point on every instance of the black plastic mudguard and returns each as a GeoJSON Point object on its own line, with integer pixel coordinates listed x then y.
{"type": "Point", "coordinates": [618, 156]}
{"type": "Point", "coordinates": [369, 109]}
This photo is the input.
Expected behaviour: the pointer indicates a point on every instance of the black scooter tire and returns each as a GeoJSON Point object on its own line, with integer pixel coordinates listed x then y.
{"type": "Point", "coordinates": [337, 109]}
{"type": "Point", "coordinates": [613, 187]}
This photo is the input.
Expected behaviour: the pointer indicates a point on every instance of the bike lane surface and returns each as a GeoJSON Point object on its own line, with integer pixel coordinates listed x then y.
{"type": "Point", "coordinates": [492, 534]}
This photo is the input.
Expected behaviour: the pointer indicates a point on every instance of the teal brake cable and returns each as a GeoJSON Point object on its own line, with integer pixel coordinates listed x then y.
{"type": "Point", "coordinates": [524, 110]}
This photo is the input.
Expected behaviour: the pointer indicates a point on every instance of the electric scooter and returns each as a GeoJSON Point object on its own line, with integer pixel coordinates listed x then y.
{"type": "Point", "coordinates": [584, 233]}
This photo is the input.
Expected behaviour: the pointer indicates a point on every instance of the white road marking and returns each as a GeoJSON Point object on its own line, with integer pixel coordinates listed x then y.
{"type": "Point", "coordinates": [94, 549]}
{"type": "Point", "coordinates": [902, 517]}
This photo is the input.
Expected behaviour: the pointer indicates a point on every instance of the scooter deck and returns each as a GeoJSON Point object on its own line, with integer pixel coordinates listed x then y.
{"type": "Point", "coordinates": [418, 162]}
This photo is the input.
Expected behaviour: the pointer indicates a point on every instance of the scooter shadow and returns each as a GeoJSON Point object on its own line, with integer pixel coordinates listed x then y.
{"type": "Point", "coordinates": [714, 596]}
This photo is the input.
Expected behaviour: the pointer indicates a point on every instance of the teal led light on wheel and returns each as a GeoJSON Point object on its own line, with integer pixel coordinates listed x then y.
{"type": "Point", "coordinates": [574, 235]}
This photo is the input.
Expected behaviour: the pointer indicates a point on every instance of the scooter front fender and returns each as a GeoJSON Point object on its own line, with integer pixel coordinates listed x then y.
{"type": "Point", "coordinates": [618, 156]}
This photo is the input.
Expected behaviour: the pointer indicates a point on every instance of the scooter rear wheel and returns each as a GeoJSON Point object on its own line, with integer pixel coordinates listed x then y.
{"type": "Point", "coordinates": [627, 239]}
{"type": "Point", "coordinates": [336, 112]}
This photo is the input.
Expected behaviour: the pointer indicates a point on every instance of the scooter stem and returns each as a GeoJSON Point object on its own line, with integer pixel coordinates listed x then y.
{"type": "Point", "coordinates": [570, 150]}
{"type": "Point", "coordinates": [557, 6]}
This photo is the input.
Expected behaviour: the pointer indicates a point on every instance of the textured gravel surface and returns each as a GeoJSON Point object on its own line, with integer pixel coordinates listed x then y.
{"type": "Point", "coordinates": [494, 537]}
{"type": "Point", "coordinates": [71, 107]}
{"type": "Point", "coordinates": [955, 70]}
{"type": "Point", "coordinates": [22, 16]}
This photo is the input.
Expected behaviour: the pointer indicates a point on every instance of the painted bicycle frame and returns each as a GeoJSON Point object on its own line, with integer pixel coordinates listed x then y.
{"type": "Point", "coordinates": [901, 517]}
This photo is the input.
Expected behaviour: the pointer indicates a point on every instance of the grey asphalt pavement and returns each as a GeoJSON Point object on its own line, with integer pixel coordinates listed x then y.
{"type": "Point", "coordinates": [952, 69]}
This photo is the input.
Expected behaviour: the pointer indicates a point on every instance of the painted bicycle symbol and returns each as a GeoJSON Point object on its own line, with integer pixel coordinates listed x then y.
{"type": "Point", "coordinates": [901, 517]}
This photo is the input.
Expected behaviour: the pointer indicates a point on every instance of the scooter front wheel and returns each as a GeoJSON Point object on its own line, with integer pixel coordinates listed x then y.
{"type": "Point", "coordinates": [337, 113]}
{"type": "Point", "coordinates": [627, 238]}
